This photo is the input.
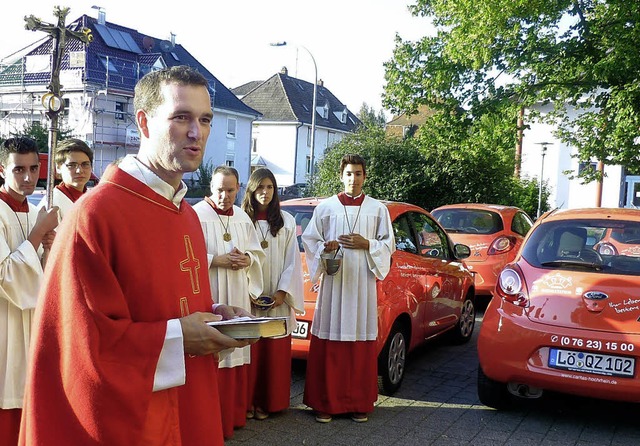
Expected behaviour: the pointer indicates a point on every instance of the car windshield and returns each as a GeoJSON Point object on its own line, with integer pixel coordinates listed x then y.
{"type": "Point", "coordinates": [302, 214]}
{"type": "Point", "coordinates": [469, 221]}
{"type": "Point", "coordinates": [585, 245]}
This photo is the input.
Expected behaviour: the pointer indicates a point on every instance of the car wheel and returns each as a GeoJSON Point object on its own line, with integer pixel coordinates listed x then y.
{"type": "Point", "coordinates": [392, 361]}
{"type": "Point", "coordinates": [463, 330]}
{"type": "Point", "coordinates": [493, 393]}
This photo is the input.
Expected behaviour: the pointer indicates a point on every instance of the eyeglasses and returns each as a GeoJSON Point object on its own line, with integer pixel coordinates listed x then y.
{"type": "Point", "coordinates": [74, 166]}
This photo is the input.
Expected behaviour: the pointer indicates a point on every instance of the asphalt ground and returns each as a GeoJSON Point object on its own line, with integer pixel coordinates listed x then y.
{"type": "Point", "coordinates": [437, 404]}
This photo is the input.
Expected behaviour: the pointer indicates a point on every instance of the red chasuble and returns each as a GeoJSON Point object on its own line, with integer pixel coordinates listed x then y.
{"type": "Point", "coordinates": [122, 265]}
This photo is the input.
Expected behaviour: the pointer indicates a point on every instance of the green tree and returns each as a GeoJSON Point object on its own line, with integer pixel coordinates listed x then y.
{"type": "Point", "coordinates": [371, 118]}
{"type": "Point", "coordinates": [395, 167]}
{"type": "Point", "coordinates": [572, 54]}
{"type": "Point", "coordinates": [40, 134]}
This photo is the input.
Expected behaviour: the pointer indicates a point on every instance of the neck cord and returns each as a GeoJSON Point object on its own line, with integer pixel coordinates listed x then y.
{"type": "Point", "coordinates": [355, 222]}
{"type": "Point", "coordinates": [24, 234]}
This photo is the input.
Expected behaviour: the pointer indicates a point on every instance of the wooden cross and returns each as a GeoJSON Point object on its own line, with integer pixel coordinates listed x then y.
{"type": "Point", "coordinates": [53, 100]}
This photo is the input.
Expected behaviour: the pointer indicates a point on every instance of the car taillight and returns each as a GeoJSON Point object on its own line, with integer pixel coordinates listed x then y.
{"type": "Point", "coordinates": [501, 245]}
{"type": "Point", "coordinates": [607, 249]}
{"type": "Point", "coordinates": [511, 287]}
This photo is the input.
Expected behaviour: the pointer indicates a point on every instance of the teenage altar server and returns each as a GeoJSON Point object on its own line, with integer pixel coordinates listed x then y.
{"type": "Point", "coordinates": [122, 353]}
{"type": "Point", "coordinates": [22, 232]}
{"type": "Point", "coordinates": [341, 366]}
{"type": "Point", "coordinates": [235, 273]}
{"type": "Point", "coordinates": [282, 276]}
{"type": "Point", "coordinates": [74, 162]}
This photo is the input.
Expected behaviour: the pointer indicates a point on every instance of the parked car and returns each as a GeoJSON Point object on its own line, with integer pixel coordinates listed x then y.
{"type": "Point", "coordinates": [494, 233]}
{"type": "Point", "coordinates": [565, 316]}
{"type": "Point", "coordinates": [619, 241]}
{"type": "Point", "coordinates": [294, 191]}
{"type": "Point", "coordinates": [428, 291]}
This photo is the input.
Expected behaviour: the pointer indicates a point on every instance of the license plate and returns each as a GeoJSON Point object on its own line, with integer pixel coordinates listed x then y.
{"type": "Point", "coordinates": [596, 363]}
{"type": "Point", "coordinates": [301, 331]}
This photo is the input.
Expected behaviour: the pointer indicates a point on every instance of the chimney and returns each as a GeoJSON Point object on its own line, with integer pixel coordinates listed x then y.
{"type": "Point", "coordinates": [320, 83]}
{"type": "Point", "coordinates": [102, 14]}
{"type": "Point", "coordinates": [284, 71]}
{"type": "Point", "coordinates": [173, 39]}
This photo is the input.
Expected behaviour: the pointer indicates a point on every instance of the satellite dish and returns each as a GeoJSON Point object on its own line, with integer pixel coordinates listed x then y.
{"type": "Point", "coordinates": [147, 43]}
{"type": "Point", "coordinates": [166, 46]}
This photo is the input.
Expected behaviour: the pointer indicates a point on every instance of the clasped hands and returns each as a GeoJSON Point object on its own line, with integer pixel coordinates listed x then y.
{"type": "Point", "coordinates": [349, 241]}
{"type": "Point", "coordinates": [234, 260]}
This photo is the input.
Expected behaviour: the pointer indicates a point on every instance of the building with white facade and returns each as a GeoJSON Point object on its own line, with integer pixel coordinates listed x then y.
{"type": "Point", "coordinates": [618, 189]}
{"type": "Point", "coordinates": [282, 135]}
{"type": "Point", "coordinates": [97, 88]}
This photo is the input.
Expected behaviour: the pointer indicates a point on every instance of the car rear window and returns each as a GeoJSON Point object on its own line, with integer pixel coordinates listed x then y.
{"type": "Point", "coordinates": [303, 215]}
{"type": "Point", "coordinates": [585, 244]}
{"type": "Point", "coordinates": [469, 221]}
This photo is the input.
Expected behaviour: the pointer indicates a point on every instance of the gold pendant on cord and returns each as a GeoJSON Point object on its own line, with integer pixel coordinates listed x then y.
{"type": "Point", "coordinates": [264, 244]}
{"type": "Point", "coordinates": [226, 237]}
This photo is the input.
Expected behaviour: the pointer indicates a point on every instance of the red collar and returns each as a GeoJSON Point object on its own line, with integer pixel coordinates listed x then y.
{"type": "Point", "coordinates": [70, 192]}
{"type": "Point", "coordinates": [219, 211]}
{"type": "Point", "coordinates": [346, 200]}
{"type": "Point", "coordinates": [261, 215]}
{"type": "Point", "coordinates": [15, 205]}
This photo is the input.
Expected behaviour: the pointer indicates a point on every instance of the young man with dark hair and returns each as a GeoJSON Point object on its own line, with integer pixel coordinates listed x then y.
{"type": "Point", "coordinates": [74, 161]}
{"type": "Point", "coordinates": [23, 231]}
{"type": "Point", "coordinates": [122, 353]}
{"type": "Point", "coordinates": [342, 366]}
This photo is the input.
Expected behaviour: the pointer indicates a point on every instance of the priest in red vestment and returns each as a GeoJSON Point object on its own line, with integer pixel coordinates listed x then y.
{"type": "Point", "coordinates": [121, 353]}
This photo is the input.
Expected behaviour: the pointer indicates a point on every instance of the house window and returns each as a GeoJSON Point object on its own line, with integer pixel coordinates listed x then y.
{"type": "Point", "coordinates": [331, 138]}
{"type": "Point", "coordinates": [325, 110]}
{"type": "Point", "coordinates": [65, 112]}
{"type": "Point", "coordinates": [107, 64]}
{"type": "Point", "coordinates": [254, 145]}
{"type": "Point", "coordinates": [309, 137]}
{"type": "Point", "coordinates": [229, 163]}
{"type": "Point", "coordinates": [120, 109]}
{"type": "Point", "coordinates": [308, 164]}
{"type": "Point", "coordinates": [590, 166]}
{"type": "Point", "coordinates": [231, 127]}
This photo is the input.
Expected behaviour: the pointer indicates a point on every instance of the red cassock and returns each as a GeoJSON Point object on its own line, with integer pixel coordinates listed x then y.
{"type": "Point", "coordinates": [124, 262]}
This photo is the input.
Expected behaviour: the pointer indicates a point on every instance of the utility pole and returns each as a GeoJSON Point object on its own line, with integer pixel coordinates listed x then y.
{"type": "Point", "coordinates": [52, 101]}
{"type": "Point", "coordinates": [544, 152]}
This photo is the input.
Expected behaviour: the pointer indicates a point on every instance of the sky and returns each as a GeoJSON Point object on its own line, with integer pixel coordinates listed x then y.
{"type": "Point", "coordinates": [349, 39]}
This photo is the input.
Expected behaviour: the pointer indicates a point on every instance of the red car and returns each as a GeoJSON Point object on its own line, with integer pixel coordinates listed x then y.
{"type": "Point", "coordinates": [494, 233]}
{"type": "Point", "coordinates": [565, 317]}
{"type": "Point", "coordinates": [427, 293]}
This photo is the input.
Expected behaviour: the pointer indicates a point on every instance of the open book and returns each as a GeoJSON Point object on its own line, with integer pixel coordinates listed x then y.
{"type": "Point", "coordinates": [251, 328]}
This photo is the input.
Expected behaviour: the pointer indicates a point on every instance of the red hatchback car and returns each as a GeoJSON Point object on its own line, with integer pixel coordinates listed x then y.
{"type": "Point", "coordinates": [566, 317]}
{"type": "Point", "coordinates": [494, 233]}
{"type": "Point", "coordinates": [428, 291]}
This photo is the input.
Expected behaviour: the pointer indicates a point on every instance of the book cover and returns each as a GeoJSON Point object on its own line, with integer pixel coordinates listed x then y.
{"type": "Point", "coordinates": [252, 328]}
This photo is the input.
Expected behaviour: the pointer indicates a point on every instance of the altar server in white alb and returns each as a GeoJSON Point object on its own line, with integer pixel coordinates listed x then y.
{"type": "Point", "coordinates": [74, 164]}
{"type": "Point", "coordinates": [342, 366]}
{"type": "Point", "coordinates": [282, 275]}
{"type": "Point", "coordinates": [23, 233]}
{"type": "Point", "coordinates": [235, 272]}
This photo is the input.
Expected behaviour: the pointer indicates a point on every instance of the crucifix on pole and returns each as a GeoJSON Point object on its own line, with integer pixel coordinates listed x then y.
{"type": "Point", "coordinates": [52, 101]}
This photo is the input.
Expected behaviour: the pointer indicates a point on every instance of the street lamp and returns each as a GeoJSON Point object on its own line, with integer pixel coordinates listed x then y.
{"type": "Point", "coordinates": [313, 105]}
{"type": "Point", "coordinates": [544, 152]}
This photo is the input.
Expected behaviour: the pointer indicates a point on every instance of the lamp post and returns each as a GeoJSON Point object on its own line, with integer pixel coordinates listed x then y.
{"type": "Point", "coordinates": [313, 105]}
{"type": "Point", "coordinates": [544, 152]}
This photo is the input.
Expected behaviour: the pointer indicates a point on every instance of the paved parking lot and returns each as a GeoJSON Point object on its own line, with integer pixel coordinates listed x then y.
{"type": "Point", "coordinates": [437, 405]}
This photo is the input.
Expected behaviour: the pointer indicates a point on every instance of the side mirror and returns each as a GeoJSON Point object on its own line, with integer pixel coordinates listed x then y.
{"type": "Point", "coordinates": [461, 251]}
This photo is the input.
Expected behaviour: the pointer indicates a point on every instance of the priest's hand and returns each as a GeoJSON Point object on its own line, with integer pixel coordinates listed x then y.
{"type": "Point", "coordinates": [200, 339]}
{"type": "Point", "coordinates": [230, 311]}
